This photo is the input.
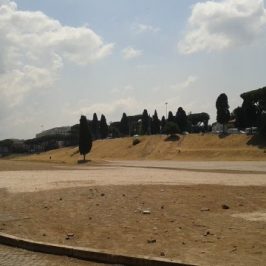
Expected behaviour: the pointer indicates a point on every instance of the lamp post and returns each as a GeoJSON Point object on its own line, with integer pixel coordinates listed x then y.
{"type": "Point", "coordinates": [166, 110]}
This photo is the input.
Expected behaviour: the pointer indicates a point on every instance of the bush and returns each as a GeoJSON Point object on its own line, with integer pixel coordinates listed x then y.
{"type": "Point", "coordinates": [135, 142]}
{"type": "Point", "coordinates": [171, 128]}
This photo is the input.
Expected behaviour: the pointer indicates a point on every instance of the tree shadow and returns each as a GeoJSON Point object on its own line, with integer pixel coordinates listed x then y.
{"type": "Point", "coordinates": [223, 135]}
{"type": "Point", "coordinates": [83, 162]}
{"type": "Point", "coordinates": [172, 138]}
{"type": "Point", "coordinates": [258, 141]}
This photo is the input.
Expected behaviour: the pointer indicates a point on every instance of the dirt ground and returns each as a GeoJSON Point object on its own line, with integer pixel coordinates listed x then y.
{"type": "Point", "coordinates": [195, 147]}
{"type": "Point", "coordinates": [187, 216]}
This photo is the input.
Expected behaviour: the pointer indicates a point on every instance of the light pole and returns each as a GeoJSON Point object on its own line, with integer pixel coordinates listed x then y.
{"type": "Point", "coordinates": [166, 110]}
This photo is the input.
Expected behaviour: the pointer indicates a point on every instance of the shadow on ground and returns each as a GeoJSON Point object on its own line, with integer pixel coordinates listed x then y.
{"type": "Point", "coordinates": [257, 140]}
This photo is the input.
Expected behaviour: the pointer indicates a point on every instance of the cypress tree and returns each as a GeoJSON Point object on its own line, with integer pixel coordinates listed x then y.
{"type": "Point", "coordinates": [124, 126]}
{"type": "Point", "coordinates": [155, 125]}
{"type": "Point", "coordinates": [181, 119]}
{"type": "Point", "coordinates": [163, 122]}
{"type": "Point", "coordinates": [103, 127]}
{"type": "Point", "coordinates": [171, 117]}
{"type": "Point", "coordinates": [145, 122]}
{"type": "Point", "coordinates": [95, 126]}
{"type": "Point", "coordinates": [222, 106]}
{"type": "Point", "coordinates": [85, 140]}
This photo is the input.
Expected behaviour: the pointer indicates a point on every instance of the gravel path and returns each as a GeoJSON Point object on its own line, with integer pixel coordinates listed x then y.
{"type": "Point", "coordinates": [30, 181]}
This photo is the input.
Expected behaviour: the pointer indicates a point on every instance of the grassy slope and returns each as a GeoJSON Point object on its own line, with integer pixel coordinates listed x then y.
{"type": "Point", "coordinates": [191, 147]}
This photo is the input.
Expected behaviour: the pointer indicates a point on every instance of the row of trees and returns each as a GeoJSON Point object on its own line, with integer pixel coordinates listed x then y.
{"type": "Point", "coordinates": [252, 112]}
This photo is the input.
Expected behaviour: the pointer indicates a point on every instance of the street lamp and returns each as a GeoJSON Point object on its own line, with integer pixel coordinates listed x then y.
{"type": "Point", "coordinates": [166, 110]}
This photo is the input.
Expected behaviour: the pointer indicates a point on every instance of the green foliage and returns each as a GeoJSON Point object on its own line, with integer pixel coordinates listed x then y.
{"type": "Point", "coordinates": [171, 117]}
{"type": "Point", "coordinates": [223, 114]}
{"type": "Point", "coordinates": [262, 127]}
{"type": "Point", "coordinates": [103, 127]}
{"type": "Point", "coordinates": [163, 122]}
{"type": "Point", "coordinates": [239, 118]}
{"type": "Point", "coordinates": [145, 122]}
{"type": "Point", "coordinates": [181, 119]}
{"type": "Point", "coordinates": [256, 96]}
{"type": "Point", "coordinates": [124, 125]}
{"type": "Point", "coordinates": [250, 113]}
{"type": "Point", "coordinates": [85, 139]}
{"type": "Point", "coordinates": [155, 124]}
{"type": "Point", "coordinates": [95, 127]}
{"type": "Point", "coordinates": [171, 128]}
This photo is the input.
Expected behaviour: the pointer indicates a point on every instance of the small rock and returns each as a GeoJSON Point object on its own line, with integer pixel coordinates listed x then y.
{"type": "Point", "coordinates": [60, 199]}
{"type": "Point", "coordinates": [67, 238]}
{"type": "Point", "coordinates": [162, 207]}
{"type": "Point", "coordinates": [225, 207]}
{"type": "Point", "coordinates": [206, 233]}
{"type": "Point", "coordinates": [154, 228]}
{"type": "Point", "coordinates": [146, 212]}
{"type": "Point", "coordinates": [124, 195]}
{"type": "Point", "coordinates": [183, 243]}
{"type": "Point", "coordinates": [151, 241]}
{"type": "Point", "coordinates": [204, 209]}
{"type": "Point", "coordinates": [70, 234]}
{"type": "Point", "coordinates": [162, 254]}
{"type": "Point", "coordinates": [162, 190]}
{"type": "Point", "coordinates": [43, 234]}
{"type": "Point", "coordinates": [102, 194]}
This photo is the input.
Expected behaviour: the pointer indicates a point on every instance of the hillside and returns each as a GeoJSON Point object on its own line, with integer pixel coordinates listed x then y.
{"type": "Point", "coordinates": [190, 147]}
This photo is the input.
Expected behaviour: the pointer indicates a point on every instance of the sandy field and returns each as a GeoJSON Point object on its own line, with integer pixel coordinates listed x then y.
{"type": "Point", "coordinates": [202, 217]}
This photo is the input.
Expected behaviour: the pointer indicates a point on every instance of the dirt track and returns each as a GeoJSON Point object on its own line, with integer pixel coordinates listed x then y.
{"type": "Point", "coordinates": [102, 207]}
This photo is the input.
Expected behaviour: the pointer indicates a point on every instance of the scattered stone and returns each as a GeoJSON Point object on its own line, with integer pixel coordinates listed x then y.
{"type": "Point", "coordinates": [124, 195]}
{"type": "Point", "coordinates": [183, 243]}
{"type": "Point", "coordinates": [225, 207]}
{"type": "Point", "coordinates": [172, 221]}
{"type": "Point", "coordinates": [207, 233]}
{"type": "Point", "coordinates": [162, 190]}
{"type": "Point", "coordinates": [240, 204]}
{"type": "Point", "coordinates": [60, 199]}
{"type": "Point", "coordinates": [102, 194]}
{"type": "Point", "coordinates": [43, 234]}
{"type": "Point", "coordinates": [204, 209]}
{"type": "Point", "coordinates": [67, 238]}
{"type": "Point", "coordinates": [162, 254]}
{"type": "Point", "coordinates": [162, 207]}
{"type": "Point", "coordinates": [146, 211]}
{"type": "Point", "coordinates": [90, 218]}
{"type": "Point", "coordinates": [154, 228]}
{"type": "Point", "coordinates": [151, 241]}
{"type": "Point", "coordinates": [70, 234]}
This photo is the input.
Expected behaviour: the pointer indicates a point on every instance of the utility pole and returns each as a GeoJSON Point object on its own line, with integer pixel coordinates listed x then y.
{"type": "Point", "coordinates": [166, 110]}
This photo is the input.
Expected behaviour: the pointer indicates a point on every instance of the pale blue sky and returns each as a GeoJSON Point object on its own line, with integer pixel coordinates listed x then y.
{"type": "Point", "coordinates": [114, 56]}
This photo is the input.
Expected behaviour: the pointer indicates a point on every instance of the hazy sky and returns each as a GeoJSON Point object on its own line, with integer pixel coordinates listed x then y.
{"type": "Point", "coordinates": [60, 59]}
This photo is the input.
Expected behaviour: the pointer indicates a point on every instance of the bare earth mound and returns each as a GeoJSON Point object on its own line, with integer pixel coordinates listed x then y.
{"type": "Point", "coordinates": [191, 147]}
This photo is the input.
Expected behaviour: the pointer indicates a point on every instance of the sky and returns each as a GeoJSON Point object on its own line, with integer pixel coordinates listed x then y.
{"type": "Point", "coordinates": [61, 59]}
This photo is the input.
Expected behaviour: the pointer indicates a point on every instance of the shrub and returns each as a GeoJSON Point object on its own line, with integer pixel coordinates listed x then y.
{"type": "Point", "coordinates": [135, 142]}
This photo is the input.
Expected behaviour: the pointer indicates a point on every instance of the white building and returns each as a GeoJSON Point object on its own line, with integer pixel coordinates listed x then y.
{"type": "Point", "coordinates": [63, 131]}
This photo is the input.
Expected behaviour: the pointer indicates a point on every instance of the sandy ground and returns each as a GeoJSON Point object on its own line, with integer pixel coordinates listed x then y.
{"type": "Point", "coordinates": [104, 206]}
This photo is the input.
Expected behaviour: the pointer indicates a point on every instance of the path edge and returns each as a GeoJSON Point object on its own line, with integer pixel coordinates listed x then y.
{"type": "Point", "coordinates": [87, 254]}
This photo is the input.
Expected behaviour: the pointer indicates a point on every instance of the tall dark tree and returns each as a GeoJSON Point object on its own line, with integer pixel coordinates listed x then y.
{"type": "Point", "coordinates": [155, 125]}
{"type": "Point", "coordinates": [85, 139]}
{"type": "Point", "coordinates": [222, 106]}
{"type": "Point", "coordinates": [171, 117]}
{"type": "Point", "coordinates": [163, 122]}
{"type": "Point", "coordinates": [95, 127]}
{"type": "Point", "coordinates": [181, 119]}
{"type": "Point", "coordinates": [145, 122]}
{"type": "Point", "coordinates": [124, 125]}
{"type": "Point", "coordinates": [239, 118]}
{"type": "Point", "coordinates": [103, 127]}
{"type": "Point", "coordinates": [250, 113]}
